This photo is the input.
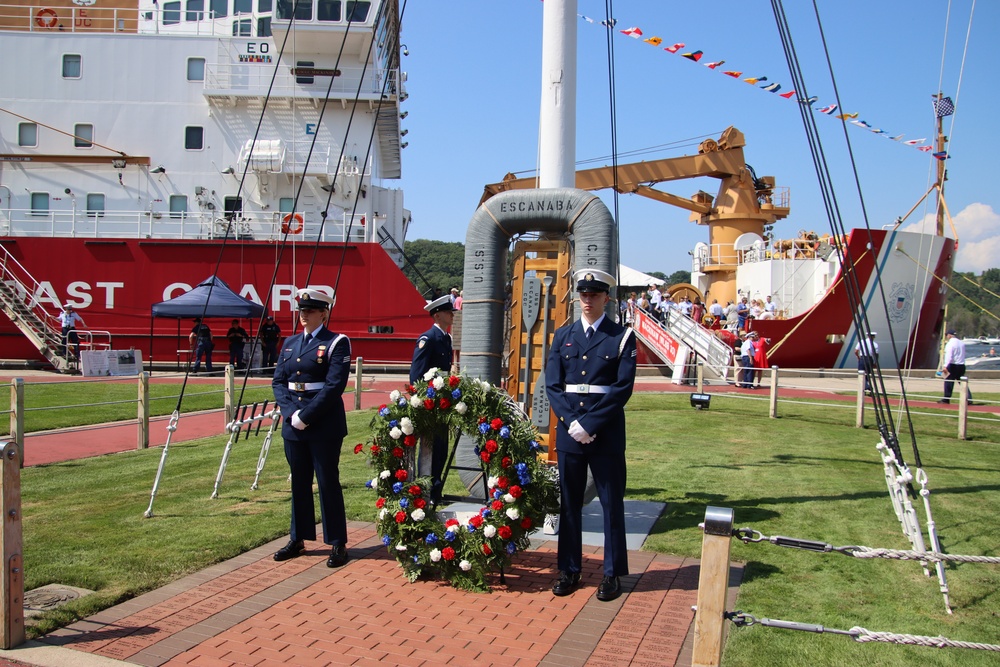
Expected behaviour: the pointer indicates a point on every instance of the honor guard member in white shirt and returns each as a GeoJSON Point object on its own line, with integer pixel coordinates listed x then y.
{"type": "Point", "coordinates": [308, 384]}
{"type": "Point", "coordinates": [434, 350]}
{"type": "Point", "coordinates": [589, 376]}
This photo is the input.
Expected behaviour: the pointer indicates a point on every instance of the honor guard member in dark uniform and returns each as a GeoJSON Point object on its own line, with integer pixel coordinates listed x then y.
{"type": "Point", "coordinates": [270, 336]}
{"type": "Point", "coordinates": [589, 376]}
{"type": "Point", "coordinates": [433, 350]}
{"type": "Point", "coordinates": [309, 383]}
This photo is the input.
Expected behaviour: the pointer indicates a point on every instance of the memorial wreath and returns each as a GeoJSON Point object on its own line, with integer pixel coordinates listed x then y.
{"type": "Point", "coordinates": [521, 488]}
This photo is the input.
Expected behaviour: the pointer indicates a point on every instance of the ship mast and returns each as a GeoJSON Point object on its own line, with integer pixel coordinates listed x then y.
{"type": "Point", "coordinates": [557, 118]}
{"type": "Point", "coordinates": [942, 174]}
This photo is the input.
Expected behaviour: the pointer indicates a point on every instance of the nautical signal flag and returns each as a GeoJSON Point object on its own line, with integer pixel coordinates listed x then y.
{"type": "Point", "coordinates": [772, 88]}
{"type": "Point", "coordinates": [717, 63]}
{"type": "Point", "coordinates": [675, 48]}
{"type": "Point", "coordinates": [632, 32]}
{"type": "Point", "coordinates": [655, 41]}
{"type": "Point", "coordinates": [694, 55]}
{"type": "Point", "coordinates": [943, 155]}
{"type": "Point", "coordinates": [943, 107]}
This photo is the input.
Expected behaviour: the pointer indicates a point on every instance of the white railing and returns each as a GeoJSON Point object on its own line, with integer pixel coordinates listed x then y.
{"type": "Point", "coordinates": [253, 80]}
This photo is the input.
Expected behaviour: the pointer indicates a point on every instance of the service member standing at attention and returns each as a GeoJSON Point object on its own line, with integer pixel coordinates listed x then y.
{"type": "Point", "coordinates": [589, 376]}
{"type": "Point", "coordinates": [309, 383]}
{"type": "Point", "coordinates": [434, 350]}
{"type": "Point", "coordinates": [270, 336]}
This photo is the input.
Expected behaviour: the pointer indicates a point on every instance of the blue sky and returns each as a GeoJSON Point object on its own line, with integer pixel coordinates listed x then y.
{"type": "Point", "coordinates": [474, 83]}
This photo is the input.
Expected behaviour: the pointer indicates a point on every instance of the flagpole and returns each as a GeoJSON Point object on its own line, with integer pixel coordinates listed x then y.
{"type": "Point", "coordinates": [940, 168]}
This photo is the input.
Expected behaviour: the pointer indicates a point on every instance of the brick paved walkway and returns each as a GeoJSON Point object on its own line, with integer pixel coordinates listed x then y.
{"type": "Point", "coordinates": [253, 611]}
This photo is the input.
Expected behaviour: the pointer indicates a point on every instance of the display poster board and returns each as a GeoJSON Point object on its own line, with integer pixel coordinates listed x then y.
{"type": "Point", "coordinates": [98, 363]}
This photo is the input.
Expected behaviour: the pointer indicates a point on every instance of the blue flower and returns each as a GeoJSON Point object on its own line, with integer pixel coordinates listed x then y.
{"type": "Point", "coordinates": [521, 468]}
{"type": "Point", "coordinates": [511, 548]}
{"type": "Point", "coordinates": [476, 450]}
{"type": "Point", "coordinates": [417, 560]}
{"type": "Point", "coordinates": [471, 528]}
{"type": "Point", "coordinates": [456, 394]}
{"type": "Point", "coordinates": [504, 432]}
{"type": "Point", "coordinates": [485, 512]}
{"type": "Point", "coordinates": [386, 540]}
{"type": "Point", "coordinates": [431, 393]}
{"type": "Point", "coordinates": [431, 539]}
{"type": "Point", "coordinates": [397, 487]}
{"type": "Point", "coordinates": [483, 428]}
{"type": "Point", "coordinates": [404, 503]}
{"type": "Point", "coordinates": [449, 535]}
{"type": "Point", "coordinates": [403, 402]}
{"type": "Point", "coordinates": [497, 494]}
{"type": "Point", "coordinates": [394, 423]}
{"type": "Point", "coordinates": [368, 484]}
{"type": "Point", "coordinates": [535, 446]}
{"type": "Point", "coordinates": [384, 412]}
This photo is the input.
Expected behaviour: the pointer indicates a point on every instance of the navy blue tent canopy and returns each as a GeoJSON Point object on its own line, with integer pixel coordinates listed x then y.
{"type": "Point", "coordinates": [211, 298]}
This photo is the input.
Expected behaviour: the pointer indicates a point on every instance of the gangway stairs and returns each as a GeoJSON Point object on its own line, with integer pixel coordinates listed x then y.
{"type": "Point", "coordinates": [680, 340]}
{"type": "Point", "coordinates": [17, 290]}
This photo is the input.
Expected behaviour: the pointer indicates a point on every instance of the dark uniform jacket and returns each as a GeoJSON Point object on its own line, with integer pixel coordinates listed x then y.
{"type": "Point", "coordinates": [433, 350]}
{"type": "Point", "coordinates": [606, 360]}
{"type": "Point", "coordinates": [325, 359]}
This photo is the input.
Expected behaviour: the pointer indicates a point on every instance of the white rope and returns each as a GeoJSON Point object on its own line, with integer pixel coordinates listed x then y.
{"type": "Point", "coordinates": [865, 636]}
{"type": "Point", "coordinates": [928, 556]}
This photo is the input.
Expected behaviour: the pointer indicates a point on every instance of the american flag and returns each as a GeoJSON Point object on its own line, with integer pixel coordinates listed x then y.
{"type": "Point", "coordinates": [943, 107]}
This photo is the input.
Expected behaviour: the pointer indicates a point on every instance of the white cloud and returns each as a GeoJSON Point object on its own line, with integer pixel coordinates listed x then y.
{"type": "Point", "coordinates": [978, 227]}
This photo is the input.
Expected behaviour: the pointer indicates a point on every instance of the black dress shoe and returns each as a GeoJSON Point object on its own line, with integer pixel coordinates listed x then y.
{"type": "Point", "coordinates": [567, 583]}
{"type": "Point", "coordinates": [293, 549]}
{"type": "Point", "coordinates": [944, 400]}
{"type": "Point", "coordinates": [338, 556]}
{"type": "Point", "coordinates": [609, 589]}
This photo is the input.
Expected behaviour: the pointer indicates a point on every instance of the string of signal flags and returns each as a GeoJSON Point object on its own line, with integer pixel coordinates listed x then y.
{"type": "Point", "coordinates": [943, 106]}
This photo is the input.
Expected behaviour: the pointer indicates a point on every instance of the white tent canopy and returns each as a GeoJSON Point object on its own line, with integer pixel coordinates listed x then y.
{"type": "Point", "coordinates": [629, 277]}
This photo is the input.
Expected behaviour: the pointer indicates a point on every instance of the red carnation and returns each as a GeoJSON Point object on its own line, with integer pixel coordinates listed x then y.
{"type": "Point", "coordinates": [497, 505]}
{"type": "Point", "coordinates": [382, 407]}
{"type": "Point", "coordinates": [504, 532]}
{"type": "Point", "coordinates": [410, 388]}
{"type": "Point", "coordinates": [448, 553]}
{"type": "Point", "coordinates": [400, 517]}
{"type": "Point", "coordinates": [397, 452]}
{"type": "Point", "coordinates": [428, 404]}
{"type": "Point", "coordinates": [454, 381]}
{"type": "Point", "coordinates": [482, 420]}
{"type": "Point", "coordinates": [505, 462]}
{"type": "Point", "coordinates": [496, 424]}
{"type": "Point", "coordinates": [410, 440]}
{"type": "Point", "coordinates": [487, 550]}
{"type": "Point", "coordinates": [414, 490]}
{"type": "Point", "coordinates": [476, 521]}
{"type": "Point", "coordinates": [526, 523]}
{"type": "Point", "coordinates": [376, 449]}
{"type": "Point", "coordinates": [485, 456]}
{"type": "Point", "coordinates": [515, 491]}
{"type": "Point", "coordinates": [401, 475]}
{"type": "Point", "coordinates": [450, 522]}
{"type": "Point", "coordinates": [445, 404]}
{"type": "Point", "coordinates": [380, 503]}
{"type": "Point", "coordinates": [420, 503]}
{"type": "Point", "coordinates": [358, 448]}
{"type": "Point", "coordinates": [502, 482]}
{"type": "Point", "coordinates": [492, 446]}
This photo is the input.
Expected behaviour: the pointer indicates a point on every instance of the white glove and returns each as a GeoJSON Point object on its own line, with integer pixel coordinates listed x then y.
{"type": "Point", "coordinates": [298, 423]}
{"type": "Point", "coordinates": [577, 433]}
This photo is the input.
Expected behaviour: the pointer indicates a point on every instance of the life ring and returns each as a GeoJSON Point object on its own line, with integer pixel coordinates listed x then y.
{"type": "Point", "coordinates": [46, 18]}
{"type": "Point", "coordinates": [291, 224]}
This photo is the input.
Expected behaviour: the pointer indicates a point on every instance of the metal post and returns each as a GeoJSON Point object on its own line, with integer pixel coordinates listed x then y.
{"type": "Point", "coordinates": [713, 582]}
{"type": "Point", "coordinates": [143, 411]}
{"type": "Point", "coordinates": [700, 369]}
{"type": "Point", "coordinates": [963, 407]}
{"type": "Point", "coordinates": [859, 411]}
{"type": "Point", "coordinates": [230, 392]}
{"type": "Point", "coordinates": [17, 417]}
{"type": "Point", "coordinates": [11, 544]}
{"type": "Point", "coordinates": [773, 409]}
{"type": "Point", "coordinates": [357, 382]}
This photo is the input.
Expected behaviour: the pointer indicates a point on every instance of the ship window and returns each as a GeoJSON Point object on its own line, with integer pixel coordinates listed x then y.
{"type": "Point", "coordinates": [242, 27]}
{"type": "Point", "coordinates": [328, 10]}
{"type": "Point", "coordinates": [196, 69]}
{"type": "Point", "coordinates": [303, 10]}
{"type": "Point", "coordinates": [195, 10]}
{"type": "Point", "coordinates": [95, 205]}
{"type": "Point", "coordinates": [242, 7]}
{"type": "Point", "coordinates": [194, 138]}
{"type": "Point", "coordinates": [27, 134]}
{"type": "Point", "coordinates": [220, 8]}
{"type": "Point", "coordinates": [285, 204]}
{"type": "Point", "coordinates": [171, 13]}
{"type": "Point", "coordinates": [232, 206]}
{"type": "Point", "coordinates": [264, 6]}
{"type": "Point", "coordinates": [358, 11]}
{"type": "Point", "coordinates": [72, 66]}
{"type": "Point", "coordinates": [178, 206]}
{"type": "Point", "coordinates": [304, 79]}
{"type": "Point", "coordinates": [83, 135]}
{"type": "Point", "coordinates": [264, 26]}
{"type": "Point", "coordinates": [39, 203]}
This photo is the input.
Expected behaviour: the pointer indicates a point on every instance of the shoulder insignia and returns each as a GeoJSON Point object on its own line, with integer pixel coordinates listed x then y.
{"type": "Point", "coordinates": [421, 343]}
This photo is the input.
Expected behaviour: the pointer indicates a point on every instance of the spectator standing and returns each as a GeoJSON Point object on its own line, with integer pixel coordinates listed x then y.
{"type": "Point", "coordinates": [715, 310]}
{"type": "Point", "coordinates": [867, 353]}
{"type": "Point", "coordinates": [237, 337]}
{"type": "Point", "coordinates": [746, 362]}
{"type": "Point", "coordinates": [697, 310]}
{"type": "Point", "coordinates": [770, 306]}
{"type": "Point", "coordinates": [655, 301]}
{"type": "Point", "coordinates": [760, 361]}
{"type": "Point", "coordinates": [68, 320]}
{"type": "Point", "coordinates": [742, 311]}
{"type": "Point", "coordinates": [201, 345]}
{"type": "Point", "coordinates": [954, 365]}
{"type": "Point", "coordinates": [270, 336]}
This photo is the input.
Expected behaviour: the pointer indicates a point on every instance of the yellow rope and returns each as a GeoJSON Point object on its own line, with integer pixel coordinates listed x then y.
{"type": "Point", "coordinates": [951, 286]}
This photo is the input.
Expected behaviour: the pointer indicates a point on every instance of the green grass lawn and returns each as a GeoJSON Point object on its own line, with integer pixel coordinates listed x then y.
{"type": "Point", "coordinates": [808, 474]}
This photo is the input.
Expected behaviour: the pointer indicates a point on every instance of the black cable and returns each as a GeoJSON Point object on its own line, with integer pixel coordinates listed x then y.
{"type": "Point", "coordinates": [610, 34]}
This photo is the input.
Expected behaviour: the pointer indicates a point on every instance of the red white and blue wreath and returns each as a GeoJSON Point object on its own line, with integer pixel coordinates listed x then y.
{"type": "Point", "coordinates": [522, 488]}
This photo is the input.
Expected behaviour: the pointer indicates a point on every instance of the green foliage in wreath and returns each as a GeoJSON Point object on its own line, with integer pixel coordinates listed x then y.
{"type": "Point", "coordinates": [522, 488]}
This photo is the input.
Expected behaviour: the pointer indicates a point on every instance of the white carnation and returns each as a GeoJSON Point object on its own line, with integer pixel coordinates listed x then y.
{"type": "Point", "coordinates": [416, 401]}
{"type": "Point", "coordinates": [431, 373]}
{"type": "Point", "coordinates": [407, 425]}
{"type": "Point", "coordinates": [435, 555]}
{"type": "Point", "coordinates": [417, 514]}
{"type": "Point", "coordinates": [461, 407]}
{"type": "Point", "coordinates": [382, 512]}
{"type": "Point", "coordinates": [384, 474]}
{"type": "Point", "coordinates": [375, 483]}
{"type": "Point", "coordinates": [513, 513]}
{"type": "Point", "coordinates": [489, 531]}
{"type": "Point", "coordinates": [395, 433]}
{"type": "Point", "coordinates": [507, 498]}
{"type": "Point", "coordinates": [400, 547]}
{"type": "Point", "coordinates": [465, 566]}
{"type": "Point", "coordinates": [394, 395]}
{"type": "Point", "coordinates": [438, 382]}
{"type": "Point", "coordinates": [492, 481]}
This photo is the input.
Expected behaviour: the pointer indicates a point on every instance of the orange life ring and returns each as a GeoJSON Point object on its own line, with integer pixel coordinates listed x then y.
{"type": "Point", "coordinates": [46, 18]}
{"type": "Point", "coordinates": [291, 224]}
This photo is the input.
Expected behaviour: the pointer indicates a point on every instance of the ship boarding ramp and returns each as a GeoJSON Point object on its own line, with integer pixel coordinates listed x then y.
{"type": "Point", "coordinates": [680, 341]}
